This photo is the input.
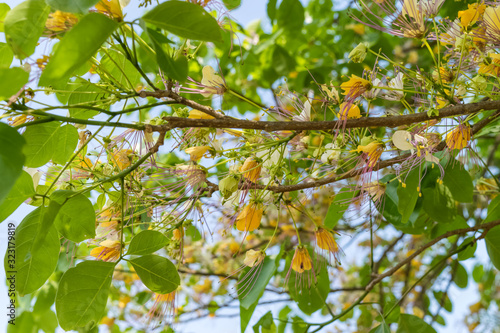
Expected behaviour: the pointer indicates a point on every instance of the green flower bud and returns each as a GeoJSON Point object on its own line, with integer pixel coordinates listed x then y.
{"type": "Point", "coordinates": [358, 54]}
{"type": "Point", "coordinates": [478, 82]}
{"type": "Point", "coordinates": [228, 185]}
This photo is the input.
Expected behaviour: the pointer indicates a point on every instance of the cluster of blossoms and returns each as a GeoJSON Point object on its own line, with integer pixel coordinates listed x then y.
{"type": "Point", "coordinates": [252, 170]}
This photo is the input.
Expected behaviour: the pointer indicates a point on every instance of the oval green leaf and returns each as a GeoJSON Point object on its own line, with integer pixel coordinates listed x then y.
{"type": "Point", "coordinates": [76, 219]}
{"type": "Point", "coordinates": [493, 246]}
{"type": "Point", "coordinates": [41, 140]}
{"type": "Point", "coordinates": [24, 25]}
{"type": "Point", "coordinates": [147, 242]}
{"type": "Point", "coordinates": [83, 293]}
{"type": "Point", "coordinates": [157, 273]}
{"type": "Point", "coordinates": [33, 267]}
{"type": "Point", "coordinates": [186, 20]}
{"type": "Point", "coordinates": [459, 181]}
{"type": "Point", "coordinates": [13, 79]}
{"type": "Point", "coordinates": [65, 141]}
{"type": "Point", "coordinates": [22, 190]}
{"type": "Point", "coordinates": [411, 324]}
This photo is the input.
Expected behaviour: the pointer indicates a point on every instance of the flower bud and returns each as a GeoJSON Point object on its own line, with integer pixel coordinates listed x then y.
{"type": "Point", "coordinates": [358, 54]}
{"type": "Point", "coordinates": [228, 185]}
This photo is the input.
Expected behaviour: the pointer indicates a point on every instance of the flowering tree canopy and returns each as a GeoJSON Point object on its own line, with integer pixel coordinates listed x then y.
{"type": "Point", "coordinates": [339, 161]}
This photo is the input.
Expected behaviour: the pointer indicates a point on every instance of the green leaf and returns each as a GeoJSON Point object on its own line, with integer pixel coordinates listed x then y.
{"type": "Point", "coordinates": [83, 293]}
{"type": "Point", "coordinates": [65, 141]}
{"type": "Point", "coordinates": [33, 267]}
{"type": "Point", "coordinates": [76, 218]}
{"type": "Point", "coordinates": [439, 204]}
{"type": "Point", "coordinates": [11, 158]}
{"type": "Point", "coordinates": [461, 277]}
{"type": "Point", "coordinates": [48, 322]}
{"type": "Point", "coordinates": [283, 319]}
{"type": "Point", "coordinates": [493, 246]}
{"type": "Point", "coordinates": [291, 15]}
{"type": "Point", "coordinates": [121, 69]}
{"type": "Point", "coordinates": [282, 62]}
{"type": "Point", "coordinates": [231, 4]}
{"type": "Point", "coordinates": [413, 324]}
{"type": "Point", "coordinates": [408, 195]}
{"type": "Point", "coordinates": [24, 25]}
{"type": "Point", "coordinates": [478, 273]}
{"type": "Point", "coordinates": [6, 54]}
{"type": "Point", "coordinates": [4, 9]}
{"type": "Point", "coordinates": [458, 181]}
{"type": "Point", "coordinates": [271, 9]}
{"type": "Point", "coordinates": [44, 298]}
{"type": "Point", "coordinates": [22, 190]}
{"type": "Point", "coordinates": [299, 325]}
{"type": "Point", "coordinates": [84, 95]}
{"type": "Point", "coordinates": [265, 324]}
{"type": "Point", "coordinates": [146, 242]}
{"type": "Point", "coordinates": [382, 328]}
{"type": "Point", "coordinates": [337, 208]}
{"type": "Point", "coordinates": [309, 298]}
{"type": "Point", "coordinates": [25, 323]}
{"type": "Point", "coordinates": [245, 316]}
{"type": "Point", "coordinates": [13, 79]}
{"type": "Point", "coordinates": [469, 250]}
{"type": "Point", "coordinates": [253, 281]}
{"type": "Point", "coordinates": [40, 140]}
{"type": "Point", "coordinates": [77, 46]}
{"type": "Point", "coordinates": [175, 68]}
{"type": "Point", "coordinates": [47, 222]}
{"type": "Point", "coordinates": [157, 273]}
{"type": "Point", "coordinates": [442, 228]}
{"type": "Point", "coordinates": [493, 210]}
{"type": "Point", "coordinates": [186, 20]}
{"type": "Point", "coordinates": [72, 6]}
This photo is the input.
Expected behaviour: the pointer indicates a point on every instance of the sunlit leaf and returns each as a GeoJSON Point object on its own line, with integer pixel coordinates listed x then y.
{"type": "Point", "coordinates": [186, 20]}
{"type": "Point", "coordinates": [24, 25]}
{"type": "Point", "coordinates": [77, 46]}
{"type": "Point", "coordinates": [83, 293]}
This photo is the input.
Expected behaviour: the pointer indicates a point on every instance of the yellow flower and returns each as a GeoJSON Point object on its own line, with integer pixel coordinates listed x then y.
{"type": "Point", "coordinates": [417, 28]}
{"type": "Point", "coordinates": [251, 169]}
{"type": "Point", "coordinates": [108, 250]}
{"type": "Point", "coordinates": [492, 68]}
{"type": "Point", "coordinates": [203, 288]}
{"type": "Point", "coordinates": [491, 19]}
{"type": "Point", "coordinates": [471, 15]}
{"type": "Point", "coordinates": [325, 241]}
{"type": "Point", "coordinates": [197, 152]}
{"type": "Point", "coordinates": [213, 83]}
{"type": "Point", "coordinates": [178, 234]}
{"type": "Point", "coordinates": [355, 86]}
{"type": "Point", "coordinates": [357, 28]}
{"type": "Point", "coordinates": [197, 114]}
{"type": "Point", "coordinates": [122, 158]}
{"type": "Point", "coordinates": [352, 113]}
{"type": "Point", "coordinates": [111, 8]}
{"type": "Point", "coordinates": [249, 218]}
{"type": "Point", "coordinates": [301, 260]}
{"type": "Point", "coordinates": [18, 120]}
{"type": "Point", "coordinates": [163, 308]}
{"type": "Point", "coordinates": [254, 258]}
{"type": "Point", "coordinates": [60, 21]}
{"type": "Point", "coordinates": [459, 137]}
{"type": "Point", "coordinates": [373, 150]}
